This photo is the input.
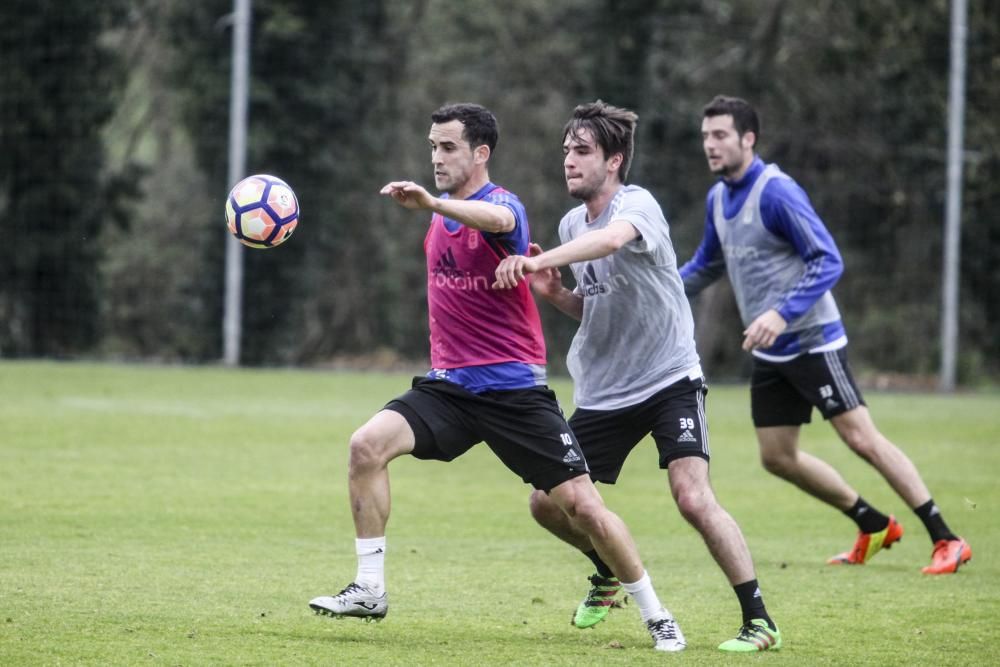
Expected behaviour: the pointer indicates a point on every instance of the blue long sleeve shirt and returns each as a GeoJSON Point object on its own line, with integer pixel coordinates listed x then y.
{"type": "Point", "coordinates": [759, 267]}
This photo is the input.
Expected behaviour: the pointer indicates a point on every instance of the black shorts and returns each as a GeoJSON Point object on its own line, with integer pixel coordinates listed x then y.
{"type": "Point", "coordinates": [784, 393]}
{"type": "Point", "coordinates": [525, 428]}
{"type": "Point", "coordinates": [674, 415]}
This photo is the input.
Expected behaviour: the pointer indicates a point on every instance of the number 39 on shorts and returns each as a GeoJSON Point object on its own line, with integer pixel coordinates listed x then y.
{"type": "Point", "coordinates": [686, 422]}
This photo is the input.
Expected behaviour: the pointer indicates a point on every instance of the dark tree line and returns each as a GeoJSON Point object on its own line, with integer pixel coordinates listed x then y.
{"type": "Point", "coordinates": [114, 124]}
{"type": "Point", "coordinates": [57, 89]}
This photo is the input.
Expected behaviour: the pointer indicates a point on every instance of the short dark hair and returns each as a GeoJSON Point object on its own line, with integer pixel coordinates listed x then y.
{"type": "Point", "coordinates": [744, 116]}
{"type": "Point", "coordinates": [480, 123]}
{"type": "Point", "coordinates": [612, 127]}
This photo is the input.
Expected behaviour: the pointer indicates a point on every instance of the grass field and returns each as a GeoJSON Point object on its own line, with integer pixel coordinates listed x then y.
{"type": "Point", "coordinates": [184, 516]}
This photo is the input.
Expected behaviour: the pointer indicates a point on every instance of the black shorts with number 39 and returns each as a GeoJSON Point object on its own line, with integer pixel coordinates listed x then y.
{"type": "Point", "coordinates": [675, 416]}
{"type": "Point", "coordinates": [784, 393]}
{"type": "Point", "coordinates": [525, 428]}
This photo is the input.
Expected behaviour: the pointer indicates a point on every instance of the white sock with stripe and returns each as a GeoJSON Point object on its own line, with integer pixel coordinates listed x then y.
{"type": "Point", "coordinates": [371, 563]}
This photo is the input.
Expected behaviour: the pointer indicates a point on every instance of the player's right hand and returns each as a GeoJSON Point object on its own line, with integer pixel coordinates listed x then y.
{"type": "Point", "coordinates": [512, 270]}
{"type": "Point", "coordinates": [408, 194]}
{"type": "Point", "coordinates": [763, 331]}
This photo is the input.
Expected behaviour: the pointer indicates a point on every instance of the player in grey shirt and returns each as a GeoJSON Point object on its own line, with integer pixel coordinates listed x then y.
{"type": "Point", "coordinates": [615, 366]}
{"type": "Point", "coordinates": [633, 359]}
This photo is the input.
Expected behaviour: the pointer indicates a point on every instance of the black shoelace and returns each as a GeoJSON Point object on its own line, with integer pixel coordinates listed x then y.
{"type": "Point", "coordinates": [351, 588]}
{"type": "Point", "coordinates": [749, 632]}
{"type": "Point", "coordinates": [663, 628]}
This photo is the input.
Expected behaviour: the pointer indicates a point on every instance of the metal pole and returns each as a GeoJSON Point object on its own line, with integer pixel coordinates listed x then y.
{"type": "Point", "coordinates": [232, 319]}
{"type": "Point", "coordinates": [953, 207]}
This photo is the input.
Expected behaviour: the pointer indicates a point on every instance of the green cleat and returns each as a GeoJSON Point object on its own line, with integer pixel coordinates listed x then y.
{"type": "Point", "coordinates": [598, 603]}
{"type": "Point", "coordinates": [755, 635]}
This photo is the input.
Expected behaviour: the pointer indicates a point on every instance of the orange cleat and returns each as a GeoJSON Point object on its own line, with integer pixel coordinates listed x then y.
{"type": "Point", "coordinates": [947, 556]}
{"type": "Point", "coordinates": [869, 544]}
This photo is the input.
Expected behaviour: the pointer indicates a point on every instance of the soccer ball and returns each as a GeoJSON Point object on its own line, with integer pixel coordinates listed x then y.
{"type": "Point", "coordinates": [262, 211]}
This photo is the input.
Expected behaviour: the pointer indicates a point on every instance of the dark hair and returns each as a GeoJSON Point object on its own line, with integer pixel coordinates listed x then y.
{"type": "Point", "coordinates": [480, 123]}
{"type": "Point", "coordinates": [613, 129]}
{"type": "Point", "coordinates": [744, 116]}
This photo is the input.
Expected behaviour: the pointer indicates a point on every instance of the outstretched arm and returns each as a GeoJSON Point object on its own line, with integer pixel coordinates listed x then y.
{"type": "Point", "coordinates": [481, 215]}
{"type": "Point", "coordinates": [592, 245]}
{"type": "Point", "coordinates": [547, 283]}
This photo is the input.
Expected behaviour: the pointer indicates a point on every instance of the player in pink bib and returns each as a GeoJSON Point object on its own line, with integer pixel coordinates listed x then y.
{"type": "Point", "coordinates": [488, 378]}
{"type": "Point", "coordinates": [462, 305]}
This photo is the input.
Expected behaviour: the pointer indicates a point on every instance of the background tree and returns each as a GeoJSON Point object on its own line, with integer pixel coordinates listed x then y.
{"type": "Point", "coordinates": [159, 272]}
{"type": "Point", "coordinates": [60, 84]}
{"type": "Point", "coordinates": [853, 99]}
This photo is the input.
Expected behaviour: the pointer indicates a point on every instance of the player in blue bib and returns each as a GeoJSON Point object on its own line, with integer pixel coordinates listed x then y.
{"type": "Point", "coordinates": [761, 229]}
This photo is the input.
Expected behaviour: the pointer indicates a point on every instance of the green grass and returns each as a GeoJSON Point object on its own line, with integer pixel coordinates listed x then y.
{"type": "Point", "coordinates": [184, 516]}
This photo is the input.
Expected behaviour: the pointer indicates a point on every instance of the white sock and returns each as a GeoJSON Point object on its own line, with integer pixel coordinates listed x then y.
{"type": "Point", "coordinates": [644, 595]}
{"type": "Point", "coordinates": [371, 563]}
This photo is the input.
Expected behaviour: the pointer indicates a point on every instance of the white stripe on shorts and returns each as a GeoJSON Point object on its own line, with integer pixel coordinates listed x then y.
{"type": "Point", "coordinates": [844, 387]}
{"type": "Point", "coordinates": [703, 420]}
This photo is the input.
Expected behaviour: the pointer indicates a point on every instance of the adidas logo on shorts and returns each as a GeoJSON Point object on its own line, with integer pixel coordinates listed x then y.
{"type": "Point", "coordinates": [686, 437]}
{"type": "Point", "coordinates": [571, 457]}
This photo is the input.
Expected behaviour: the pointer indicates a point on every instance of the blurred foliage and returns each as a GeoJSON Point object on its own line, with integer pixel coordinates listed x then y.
{"type": "Point", "coordinates": [58, 85]}
{"type": "Point", "coordinates": [118, 113]}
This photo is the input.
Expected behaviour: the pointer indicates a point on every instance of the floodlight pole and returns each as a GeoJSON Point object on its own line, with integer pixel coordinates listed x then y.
{"type": "Point", "coordinates": [232, 318]}
{"type": "Point", "coordinates": [953, 206]}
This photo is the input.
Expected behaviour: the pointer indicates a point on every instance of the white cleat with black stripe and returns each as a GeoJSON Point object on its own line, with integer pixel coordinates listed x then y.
{"type": "Point", "coordinates": [354, 601]}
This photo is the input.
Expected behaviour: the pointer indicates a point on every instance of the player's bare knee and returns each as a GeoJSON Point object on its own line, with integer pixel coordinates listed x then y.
{"type": "Point", "coordinates": [695, 504]}
{"type": "Point", "coordinates": [778, 462]}
{"type": "Point", "coordinates": [542, 507]}
{"type": "Point", "coordinates": [586, 513]}
{"type": "Point", "coordinates": [861, 442]}
{"type": "Point", "coordinates": [365, 452]}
